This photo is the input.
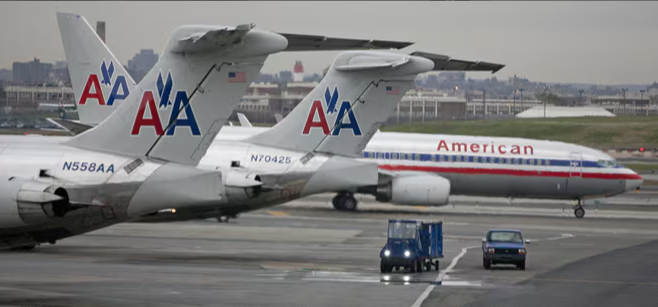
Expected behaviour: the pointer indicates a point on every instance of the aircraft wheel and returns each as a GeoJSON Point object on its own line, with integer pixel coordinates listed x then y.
{"type": "Point", "coordinates": [349, 202]}
{"type": "Point", "coordinates": [344, 202]}
{"type": "Point", "coordinates": [579, 212]}
{"type": "Point", "coordinates": [24, 247]}
{"type": "Point", "coordinates": [337, 201]}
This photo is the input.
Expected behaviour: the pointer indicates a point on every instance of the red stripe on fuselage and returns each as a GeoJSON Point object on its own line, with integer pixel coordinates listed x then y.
{"type": "Point", "coordinates": [509, 172]}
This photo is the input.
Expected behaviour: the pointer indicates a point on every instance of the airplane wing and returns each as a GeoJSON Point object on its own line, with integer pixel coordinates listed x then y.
{"type": "Point", "coordinates": [446, 63]}
{"type": "Point", "coordinates": [244, 122]}
{"type": "Point", "coordinates": [69, 125]}
{"type": "Point", "coordinates": [302, 42]}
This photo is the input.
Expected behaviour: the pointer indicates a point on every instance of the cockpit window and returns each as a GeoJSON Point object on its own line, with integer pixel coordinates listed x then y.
{"type": "Point", "coordinates": [609, 163]}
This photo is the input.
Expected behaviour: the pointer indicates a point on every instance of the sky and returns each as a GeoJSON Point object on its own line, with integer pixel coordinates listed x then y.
{"type": "Point", "coordinates": [560, 41]}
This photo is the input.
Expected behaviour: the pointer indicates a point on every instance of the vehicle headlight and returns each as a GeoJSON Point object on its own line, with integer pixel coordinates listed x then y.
{"type": "Point", "coordinates": [407, 253]}
{"type": "Point", "coordinates": [387, 253]}
{"type": "Point", "coordinates": [491, 250]}
{"type": "Point", "coordinates": [521, 250]}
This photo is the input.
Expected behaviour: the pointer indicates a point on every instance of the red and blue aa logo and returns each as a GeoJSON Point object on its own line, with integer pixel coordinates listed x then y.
{"type": "Point", "coordinates": [331, 101]}
{"type": "Point", "coordinates": [93, 89]}
{"type": "Point", "coordinates": [166, 95]}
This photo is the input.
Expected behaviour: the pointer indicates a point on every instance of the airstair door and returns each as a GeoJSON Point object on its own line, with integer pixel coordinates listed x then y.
{"type": "Point", "coordinates": [576, 165]}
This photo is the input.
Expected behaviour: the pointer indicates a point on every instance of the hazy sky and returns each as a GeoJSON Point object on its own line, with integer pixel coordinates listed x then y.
{"type": "Point", "coordinates": [561, 41]}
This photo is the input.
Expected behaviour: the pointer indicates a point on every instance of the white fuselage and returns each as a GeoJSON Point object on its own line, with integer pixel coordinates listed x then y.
{"type": "Point", "coordinates": [477, 166]}
{"type": "Point", "coordinates": [483, 166]}
{"type": "Point", "coordinates": [100, 189]}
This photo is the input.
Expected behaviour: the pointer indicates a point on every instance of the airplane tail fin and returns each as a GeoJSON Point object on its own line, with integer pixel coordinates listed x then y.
{"type": "Point", "coordinates": [278, 117]}
{"type": "Point", "coordinates": [178, 108]}
{"type": "Point", "coordinates": [98, 78]}
{"type": "Point", "coordinates": [244, 122]}
{"type": "Point", "coordinates": [342, 113]}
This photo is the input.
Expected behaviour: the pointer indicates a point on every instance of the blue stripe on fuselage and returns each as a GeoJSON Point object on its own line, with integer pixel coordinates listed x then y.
{"type": "Point", "coordinates": [478, 159]}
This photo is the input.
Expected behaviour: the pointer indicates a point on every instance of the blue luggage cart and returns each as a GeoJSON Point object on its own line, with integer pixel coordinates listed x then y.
{"type": "Point", "coordinates": [412, 244]}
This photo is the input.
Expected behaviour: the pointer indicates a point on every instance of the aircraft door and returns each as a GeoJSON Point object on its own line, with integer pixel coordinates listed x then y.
{"type": "Point", "coordinates": [576, 165]}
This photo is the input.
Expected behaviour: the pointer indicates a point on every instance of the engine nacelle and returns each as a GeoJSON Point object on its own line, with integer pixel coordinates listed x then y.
{"type": "Point", "coordinates": [242, 185]}
{"type": "Point", "coordinates": [25, 202]}
{"type": "Point", "coordinates": [422, 190]}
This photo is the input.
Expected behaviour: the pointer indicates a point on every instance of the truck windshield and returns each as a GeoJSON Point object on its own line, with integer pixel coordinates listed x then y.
{"type": "Point", "coordinates": [402, 230]}
{"type": "Point", "coordinates": [505, 236]}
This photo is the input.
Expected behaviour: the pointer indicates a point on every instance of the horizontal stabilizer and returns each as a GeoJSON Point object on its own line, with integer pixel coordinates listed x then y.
{"type": "Point", "coordinates": [212, 39]}
{"type": "Point", "coordinates": [301, 42]}
{"type": "Point", "coordinates": [446, 63]}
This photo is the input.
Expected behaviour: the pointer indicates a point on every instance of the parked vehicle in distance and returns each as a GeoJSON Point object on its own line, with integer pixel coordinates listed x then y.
{"type": "Point", "coordinates": [504, 246]}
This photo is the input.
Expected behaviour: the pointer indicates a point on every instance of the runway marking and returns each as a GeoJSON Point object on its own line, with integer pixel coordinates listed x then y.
{"type": "Point", "coordinates": [439, 278]}
{"type": "Point", "coordinates": [278, 213]}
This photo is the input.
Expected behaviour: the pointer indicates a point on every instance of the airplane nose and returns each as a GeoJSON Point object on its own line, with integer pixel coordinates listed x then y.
{"type": "Point", "coordinates": [635, 183]}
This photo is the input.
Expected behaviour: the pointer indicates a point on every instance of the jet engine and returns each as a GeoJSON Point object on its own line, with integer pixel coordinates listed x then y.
{"type": "Point", "coordinates": [423, 190]}
{"type": "Point", "coordinates": [242, 185]}
{"type": "Point", "coordinates": [25, 202]}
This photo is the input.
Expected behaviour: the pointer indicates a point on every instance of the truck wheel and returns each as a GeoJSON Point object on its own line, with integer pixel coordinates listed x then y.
{"type": "Point", "coordinates": [413, 266]}
{"type": "Point", "coordinates": [437, 265]}
{"type": "Point", "coordinates": [383, 267]}
{"type": "Point", "coordinates": [428, 266]}
{"type": "Point", "coordinates": [419, 266]}
{"type": "Point", "coordinates": [487, 264]}
{"type": "Point", "coordinates": [521, 265]}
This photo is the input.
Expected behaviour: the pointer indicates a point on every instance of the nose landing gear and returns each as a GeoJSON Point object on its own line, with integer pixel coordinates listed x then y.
{"type": "Point", "coordinates": [578, 210]}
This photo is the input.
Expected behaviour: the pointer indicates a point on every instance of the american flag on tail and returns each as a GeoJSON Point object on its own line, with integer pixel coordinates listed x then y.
{"type": "Point", "coordinates": [237, 77]}
{"type": "Point", "coordinates": [392, 90]}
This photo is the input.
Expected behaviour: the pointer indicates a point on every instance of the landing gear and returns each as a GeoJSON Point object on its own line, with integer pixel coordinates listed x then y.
{"type": "Point", "coordinates": [24, 247]}
{"type": "Point", "coordinates": [226, 218]}
{"type": "Point", "coordinates": [344, 202]}
{"type": "Point", "coordinates": [578, 210]}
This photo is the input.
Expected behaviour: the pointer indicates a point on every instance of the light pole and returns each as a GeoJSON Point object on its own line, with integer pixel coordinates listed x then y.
{"type": "Point", "coordinates": [623, 95]}
{"type": "Point", "coordinates": [484, 104]}
{"type": "Point", "coordinates": [646, 106]}
{"type": "Point", "coordinates": [521, 101]}
{"type": "Point", "coordinates": [581, 96]}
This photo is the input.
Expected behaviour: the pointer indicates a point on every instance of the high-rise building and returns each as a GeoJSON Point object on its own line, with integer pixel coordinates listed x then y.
{"type": "Point", "coordinates": [100, 30]}
{"type": "Point", "coordinates": [32, 72]}
{"type": "Point", "coordinates": [141, 63]}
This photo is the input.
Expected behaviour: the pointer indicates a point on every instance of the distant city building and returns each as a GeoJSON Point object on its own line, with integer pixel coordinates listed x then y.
{"type": "Point", "coordinates": [298, 72]}
{"type": "Point", "coordinates": [451, 76]}
{"type": "Point", "coordinates": [141, 63]}
{"type": "Point", "coordinates": [31, 72]}
{"type": "Point", "coordinates": [100, 30]}
{"type": "Point", "coordinates": [6, 75]}
{"type": "Point", "coordinates": [285, 76]}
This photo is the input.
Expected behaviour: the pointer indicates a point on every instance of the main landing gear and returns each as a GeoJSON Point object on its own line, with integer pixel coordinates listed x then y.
{"type": "Point", "coordinates": [578, 210]}
{"type": "Point", "coordinates": [344, 201]}
{"type": "Point", "coordinates": [226, 218]}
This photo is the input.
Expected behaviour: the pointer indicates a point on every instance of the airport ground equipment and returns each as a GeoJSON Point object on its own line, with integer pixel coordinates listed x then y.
{"type": "Point", "coordinates": [412, 244]}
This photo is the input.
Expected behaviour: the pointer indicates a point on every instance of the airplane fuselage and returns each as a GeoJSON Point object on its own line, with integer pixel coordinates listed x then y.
{"type": "Point", "coordinates": [99, 189]}
{"type": "Point", "coordinates": [475, 166]}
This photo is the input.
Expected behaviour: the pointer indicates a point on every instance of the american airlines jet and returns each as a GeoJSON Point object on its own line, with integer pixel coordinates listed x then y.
{"type": "Point", "coordinates": [132, 164]}
{"type": "Point", "coordinates": [424, 169]}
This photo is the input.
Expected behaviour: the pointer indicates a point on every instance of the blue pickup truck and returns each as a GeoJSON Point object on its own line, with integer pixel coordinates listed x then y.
{"type": "Point", "coordinates": [504, 246]}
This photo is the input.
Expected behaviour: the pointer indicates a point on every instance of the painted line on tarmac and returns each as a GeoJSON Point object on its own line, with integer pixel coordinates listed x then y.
{"type": "Point", "coordinates": [278, 213]}
{"type": "Point", "coordinates": [454, 262]}
{"type": "Point", "coordinates": [439, 278]}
